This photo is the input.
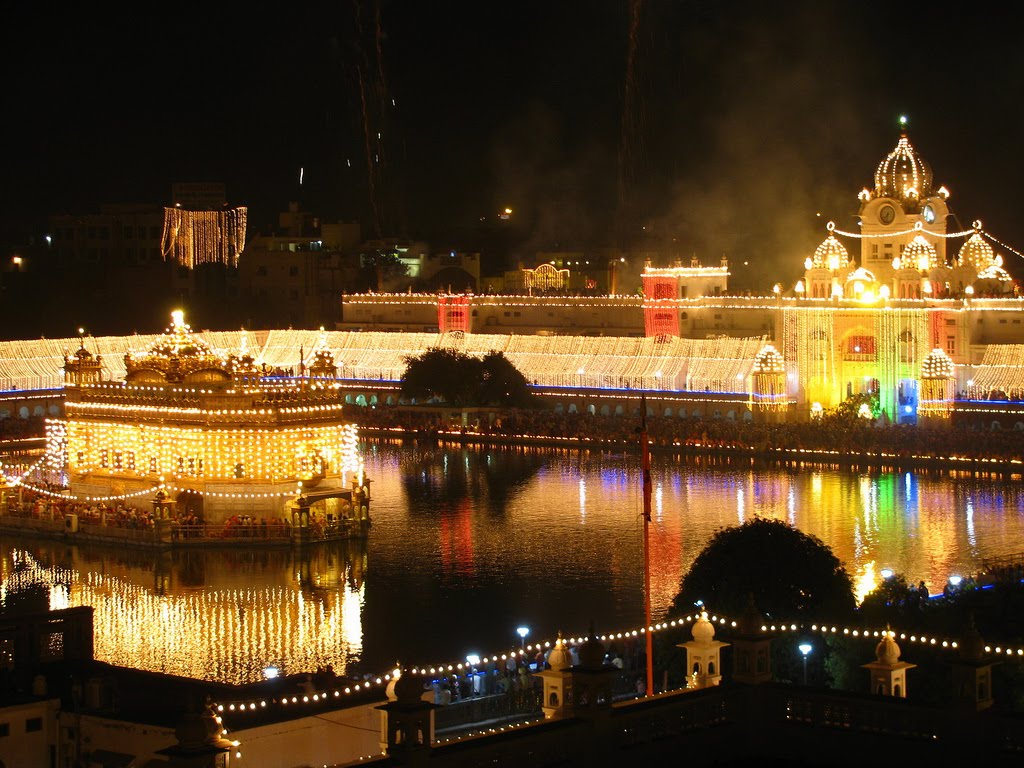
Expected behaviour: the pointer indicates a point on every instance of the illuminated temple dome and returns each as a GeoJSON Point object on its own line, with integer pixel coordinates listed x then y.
{"type": "Point", "coordinates": [831, 254]}
{"type": "Point", "coordinates": [977, 253]}
{"type": "Point", "coordinates": [177, 357]}
{"type": "Point", "coordinates": [903, 174]}
{"type": "Point", "coordinates": [920, 254]}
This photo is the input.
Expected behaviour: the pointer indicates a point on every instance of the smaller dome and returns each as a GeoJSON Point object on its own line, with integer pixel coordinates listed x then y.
{"type": "Point", "coordinates": [887, 652]}
{"type": "Point", "coordinates": [768, 360]}
{"type": "Point", "coordinates": [409, 687]}
{"type": "Point", "coordinates": [920, 254]}
{"type": "Point", "coordinates": [861, 274]}
{"type": "Point", "coordinates": [976, 252]}
{"type": "Point", "coordinates": [937, 365]}
{"type": "Point", "coordinates": [559, 658]}
{"type": "Point", "coordinates": [703, 630]}
{"type": "Point", "coordinates": [751, 621]}
{"type": "Point", "coordinates": [831, 254]}
{"type": "Point", "coordinates": [197, 731]}
{"type": "Point", "coordinates": [592, 652]}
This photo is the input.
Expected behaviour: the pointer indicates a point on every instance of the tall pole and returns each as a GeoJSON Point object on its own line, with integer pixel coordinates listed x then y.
{"type": "Point", "coordinates": [645, 462]}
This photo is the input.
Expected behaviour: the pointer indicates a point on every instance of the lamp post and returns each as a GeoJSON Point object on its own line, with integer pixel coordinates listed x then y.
{"type": "Point", "coordinates": [805, 650]}
{"type": "Point", "coordinates": [522, 632]}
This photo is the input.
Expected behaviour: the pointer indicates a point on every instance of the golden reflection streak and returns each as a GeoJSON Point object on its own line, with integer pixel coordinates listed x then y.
{"type": "Point", "coordinates": [229, 635]}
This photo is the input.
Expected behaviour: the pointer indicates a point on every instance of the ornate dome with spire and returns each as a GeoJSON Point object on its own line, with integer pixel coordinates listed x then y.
{"type": "Point", "coordinates": [977, 253]}
{"type": "Point", "coordinates": [703, 630]}
{"type": "Point", "coordinates": [831, 254]}
{"type": "Point", "coordinates": [903, 174]}
{"type": "Point", "coordinates": [592, 652]}
{"type": "Point", "coordinates": [559, 658]}
{"type": "Point", "coordinates": [920, 254]}
{"type": "Point", "coordinates": [177, 356]}
{"type": "Point", "coordinates": [887, 652]}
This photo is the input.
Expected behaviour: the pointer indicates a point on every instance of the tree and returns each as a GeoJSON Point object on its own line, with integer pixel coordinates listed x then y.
{"type": "Point", "coordinates": [791, 574]}
{"type": "Point", "coordinates": [460, 379]}
{"type": "Point", "coordinates": [444, 374]}
{"type": "Point", "coordinates": [379, 267]}
{"type": "Point", "coordinates": [502, 383]}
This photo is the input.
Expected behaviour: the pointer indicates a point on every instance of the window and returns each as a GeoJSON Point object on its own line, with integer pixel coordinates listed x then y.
{"type": "Point", "coordinates": [874, 250]}
{"type": "Point", "coordinates": [33, 724]}
{"type": "Point", "coordinates": [951, 345]}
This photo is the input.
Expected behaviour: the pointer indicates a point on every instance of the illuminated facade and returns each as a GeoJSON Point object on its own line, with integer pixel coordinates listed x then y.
{"type": "Point", "coordinates": [219, 433]}
{"type": "Point", "coordinates": [871, 319]}
{"type": "Point", "coordinates": [870, 312]}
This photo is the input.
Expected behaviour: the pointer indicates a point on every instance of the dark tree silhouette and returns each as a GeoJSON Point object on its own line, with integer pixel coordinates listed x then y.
{"type": "Point", "coordinates": [502, 383]}
{"type": "Point", "coordinates": [463, 380]}
{"type": "Point", "coordinates": [790, 574]}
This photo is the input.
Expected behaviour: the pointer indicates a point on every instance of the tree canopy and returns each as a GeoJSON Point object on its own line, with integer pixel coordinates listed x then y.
{"type": "Point", "coordinates": [464, 380]}
{"type": "Point", "coordinates": [791, 574]}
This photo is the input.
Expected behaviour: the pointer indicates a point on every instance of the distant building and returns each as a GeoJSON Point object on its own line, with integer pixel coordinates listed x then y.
{"type": "Point", "coordinates": [294, 275]}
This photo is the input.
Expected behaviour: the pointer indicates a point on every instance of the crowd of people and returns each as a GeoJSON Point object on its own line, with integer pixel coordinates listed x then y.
{"type": "Point", "coordinates": [721, 434]}
{"type": "Point", "coordinates": [184, 523]}
{"type": "Point", "coordinates": [515, 674]}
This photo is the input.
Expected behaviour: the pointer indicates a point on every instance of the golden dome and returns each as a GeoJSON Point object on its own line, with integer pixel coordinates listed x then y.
{"type": "Point", "coordinates": [920, 254]}
{"type": "Point", "coordinates": [831, 254]}
{"type": "Point", "coordinates": [178, 356]}
{"type": "Point", "coordinates": [903, 174]}
{"type": "Point", "coordinates": [977, 253]}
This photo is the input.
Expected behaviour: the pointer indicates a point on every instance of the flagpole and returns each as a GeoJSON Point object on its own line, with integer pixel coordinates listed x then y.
{"type": "Point", "coordinates": [645, 463]}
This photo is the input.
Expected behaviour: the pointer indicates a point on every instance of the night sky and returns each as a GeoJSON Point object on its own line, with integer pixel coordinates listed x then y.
{"type": "Point", "coordinates": [699, 127]}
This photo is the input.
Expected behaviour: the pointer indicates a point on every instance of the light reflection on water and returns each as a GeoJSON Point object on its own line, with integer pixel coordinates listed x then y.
{"type": "Point", "coordinates": [466, 545]}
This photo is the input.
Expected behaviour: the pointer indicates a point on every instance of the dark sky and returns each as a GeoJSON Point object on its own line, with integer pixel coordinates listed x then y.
{"type": "Point", "coordinates": [740, 122]}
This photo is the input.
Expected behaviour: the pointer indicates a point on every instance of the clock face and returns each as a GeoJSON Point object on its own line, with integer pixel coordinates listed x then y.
{"type": "Point", "coordinates": [887, 214]}
{"type": "Point", "coordinates": [929, 214]}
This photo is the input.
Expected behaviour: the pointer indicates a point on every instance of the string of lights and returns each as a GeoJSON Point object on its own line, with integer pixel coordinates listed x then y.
{"type": "Point", "coordinates": [469, 668]}
{"type": "Point", "coordinates": [918, 228]}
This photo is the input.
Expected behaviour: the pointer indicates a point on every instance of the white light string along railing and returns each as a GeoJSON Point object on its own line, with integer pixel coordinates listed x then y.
{"type": "Point", "coordinates": [455, 668]}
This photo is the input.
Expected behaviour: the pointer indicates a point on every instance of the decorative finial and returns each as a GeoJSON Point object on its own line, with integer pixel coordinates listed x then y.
{"type": "Point", "coordinates": [903, 125]}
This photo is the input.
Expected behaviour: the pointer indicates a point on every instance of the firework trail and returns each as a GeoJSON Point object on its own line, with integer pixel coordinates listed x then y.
{"type": "Point", "coordinates": [631, 134]}
{"type": "Point", "coordinates": [372, 156]}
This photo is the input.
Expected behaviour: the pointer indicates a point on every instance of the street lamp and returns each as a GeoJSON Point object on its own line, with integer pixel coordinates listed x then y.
{"type": "Point", "coordinates": [805, 649]}
{"type": "Point", "coordinates": [522, 632]}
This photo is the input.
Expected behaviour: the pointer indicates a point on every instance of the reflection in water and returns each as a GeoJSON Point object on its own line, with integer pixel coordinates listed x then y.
{"type": "Point", "coordinates": [468, 544]}
{"type": "Point", "coordinates": [221, 616]}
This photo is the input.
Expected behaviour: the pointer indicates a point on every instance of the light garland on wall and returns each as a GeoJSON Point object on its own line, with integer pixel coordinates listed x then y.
{"type": "Point", "coordinates": [459, 668]}
{"type": "Point", "coordinates": [203, 237]}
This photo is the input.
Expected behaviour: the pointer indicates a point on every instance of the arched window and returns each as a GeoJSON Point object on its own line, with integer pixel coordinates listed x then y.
{"type": "Point", "coordinates": [553, 699]}
{"type": "Point", "coordinates": [711, 667]}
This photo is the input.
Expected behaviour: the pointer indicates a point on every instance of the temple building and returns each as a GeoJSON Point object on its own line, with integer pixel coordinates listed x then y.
{"type": "Point", "coordinates": [909, 312]}
{"type": "Point", "coordinates": [209, 433]}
